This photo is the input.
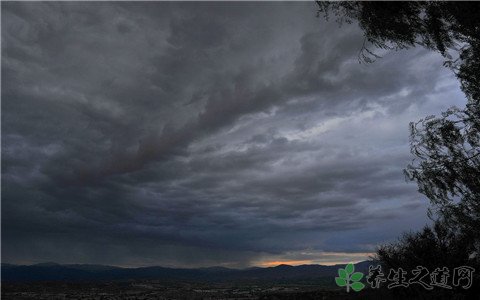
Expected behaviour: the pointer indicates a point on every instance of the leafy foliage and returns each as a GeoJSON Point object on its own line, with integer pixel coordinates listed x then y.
{"type": "Point", "coordinates": [432, 247]}
{"type": "Point", "coordinates": [447, 168]}
{"type": "Point", "coordinates": [446, 27]}
{"type": "Point", "coordinates": [447, 147]}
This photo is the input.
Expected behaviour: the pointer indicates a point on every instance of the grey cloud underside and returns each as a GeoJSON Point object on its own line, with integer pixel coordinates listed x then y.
{"type": "Point", "coordinates": [203, 133]}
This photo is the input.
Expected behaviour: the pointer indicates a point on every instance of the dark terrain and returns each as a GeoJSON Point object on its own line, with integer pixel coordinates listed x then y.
{"type": "Point", "coordinates": [155, 289]}
{"type": "Point", "coordinates": [54, 281]}
{"type": "Point", "coordinates": [74, 273]}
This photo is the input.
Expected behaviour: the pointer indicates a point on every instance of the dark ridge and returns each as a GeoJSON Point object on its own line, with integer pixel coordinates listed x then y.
{"type": "Point", "coordinates": [85, 272]}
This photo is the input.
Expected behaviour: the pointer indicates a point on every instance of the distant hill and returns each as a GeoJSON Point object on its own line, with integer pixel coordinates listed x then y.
{"type": "Point", "coordinates": [82, 272]}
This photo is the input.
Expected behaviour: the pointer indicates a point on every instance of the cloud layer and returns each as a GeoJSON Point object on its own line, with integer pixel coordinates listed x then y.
{"type": "Point", "coordinates": [193, 134]}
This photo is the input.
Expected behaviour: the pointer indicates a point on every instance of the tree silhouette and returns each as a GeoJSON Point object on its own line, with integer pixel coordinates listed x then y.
{"type": "Point", "coordinates": [447, 147]}
{"type": "Point", "coordinates": [447, 168]}
{"type": "Point", "coordinates": [450, 28]}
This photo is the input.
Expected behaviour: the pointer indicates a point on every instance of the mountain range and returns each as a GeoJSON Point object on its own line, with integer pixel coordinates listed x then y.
{"type": "Point", "coordinates": [86, 272]}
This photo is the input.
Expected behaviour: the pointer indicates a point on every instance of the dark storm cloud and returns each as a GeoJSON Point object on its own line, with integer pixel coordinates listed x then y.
{"type": "Point", "coordinates": [203, 133]}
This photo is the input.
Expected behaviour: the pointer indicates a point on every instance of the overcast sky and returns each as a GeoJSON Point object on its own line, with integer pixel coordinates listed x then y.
{"type": "Point", "coordinates": [200, 134]}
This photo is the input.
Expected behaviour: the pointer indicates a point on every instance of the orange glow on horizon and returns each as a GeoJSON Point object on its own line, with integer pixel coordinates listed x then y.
{"type": "Point", "coordinates": [324, 258]}
{"type": "Point", "coordinates": [285, 262]}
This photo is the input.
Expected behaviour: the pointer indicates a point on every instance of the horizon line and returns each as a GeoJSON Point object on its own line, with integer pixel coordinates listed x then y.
{"type": "Point", "coordinates": [186, 268]}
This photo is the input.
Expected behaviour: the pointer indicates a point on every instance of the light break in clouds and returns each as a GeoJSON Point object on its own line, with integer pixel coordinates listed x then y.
{"type": "Point", "coordinates": [200, 134]}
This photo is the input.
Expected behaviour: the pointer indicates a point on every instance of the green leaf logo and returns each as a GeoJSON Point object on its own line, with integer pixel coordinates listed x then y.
{"type": "Point", "coordinates": [356, 276]}
{"type": "Point", "coordinates": [350, 279]}
{"type": "Point", "coordinates": [350, 268]}
{"type": "Point", "coordinates": [357, 286]}
{"type": "Point", "coordinates": [340, 281]}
